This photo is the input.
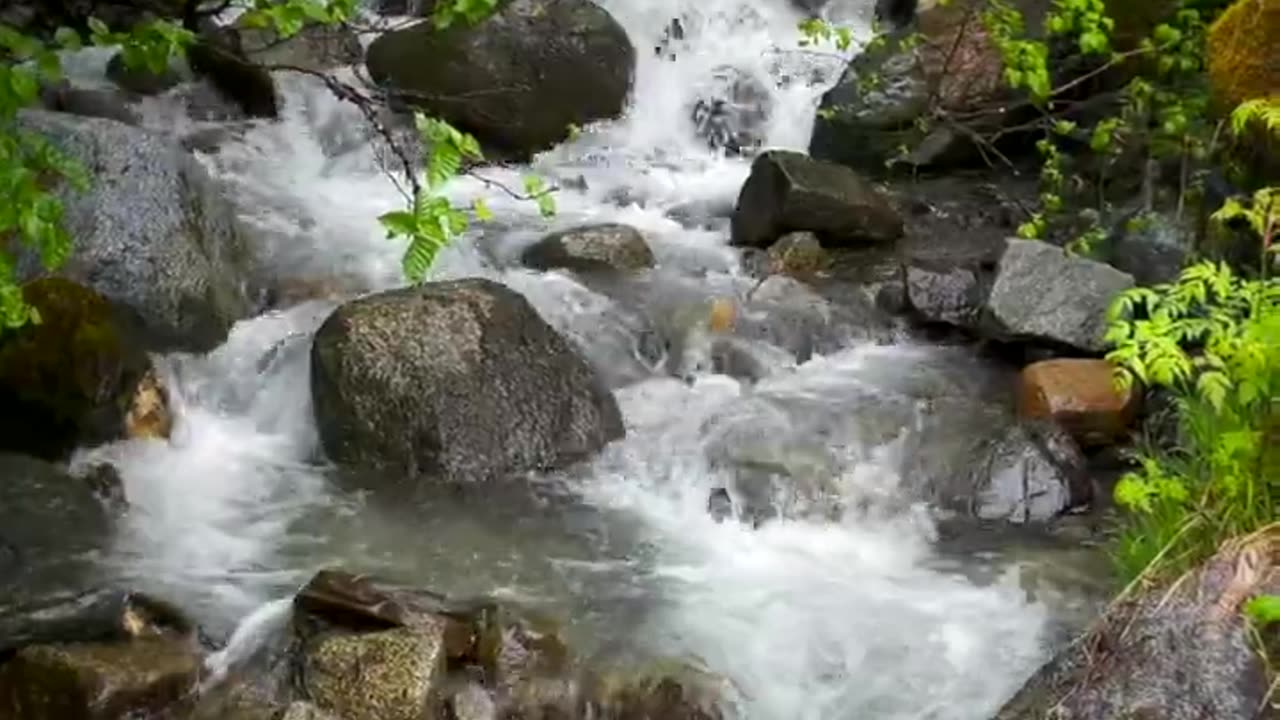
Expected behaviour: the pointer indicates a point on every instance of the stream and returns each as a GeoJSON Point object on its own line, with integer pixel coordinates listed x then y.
{"type": "Point", "coordinates": [873, 612]}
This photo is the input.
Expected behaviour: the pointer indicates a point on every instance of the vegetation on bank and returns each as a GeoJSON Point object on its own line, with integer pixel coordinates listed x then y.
{"type": "Point", "coordinates": [33, 171]}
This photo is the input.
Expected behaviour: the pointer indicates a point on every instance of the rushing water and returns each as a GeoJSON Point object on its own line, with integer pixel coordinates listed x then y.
{"type": "Point", "coordinates": [863, 617]}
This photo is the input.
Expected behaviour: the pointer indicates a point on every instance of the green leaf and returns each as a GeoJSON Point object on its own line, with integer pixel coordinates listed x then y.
{"type": "Point", "coordinates": [481, 209]}
{"type": "Point", "coordinates": [1264, 610]}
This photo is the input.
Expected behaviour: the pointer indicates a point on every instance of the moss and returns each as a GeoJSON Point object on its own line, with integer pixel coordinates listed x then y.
{"type": "Point", "coordinates": [1244, 54]}
{"type": "Point", "coordinates": [67, 379]}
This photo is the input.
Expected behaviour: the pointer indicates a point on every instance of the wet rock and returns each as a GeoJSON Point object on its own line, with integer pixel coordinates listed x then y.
{"type": "Point", "coordinates": [591, 248]}
{"type": "Point", "coordinates": [799, 255]}
{"type": "Point", "coordinates": [69, 380]}
{"type": "Point", "coordinates": [219, 58]}
{"type": "Point", "coordinates": [315, 48]}
{"type": "Point", "coordinates": [1177, 650]}
{"type": "Point", "coordinates": [788, 191]}
{"type": "Point", "coordinates": [517, 80]}
{"type": "Point", "coordinates": [732, 111]}
{"type": "Point", "coordinates": [153, 233]}
{"type": "Point", "coordinates": [719, 504]}
{"type": "Point", "coordinates": [382, 675]}
{"type": "Point", "coordinates": [1033, 474]}
{"type": "Point", "coordinates": [142, 80]}
{"type": "Point", "coordinates": [1041, 294]}
{"type": "Point", "coordinates": [306, 711]}
{"type": "Point", "coordinates": [871, 113]}
{"type": "Point", "coordinates": [948, 282]}
{"type": "Point", "coordinates": [105, 483]}
{"type": "Point", "coordinates": [148, 415]}
{"type": "Point", "coordinates": [968, 458]}
{"type": "Point", "coordinates": [90, 102]}
{"type": "Point", "coordinates": [103, 616]}
{"type": "Point", "coordinates": [98, 681]}
{"type": "Point", "coordinates": [793, 316]}
{"type": "Point", "coordinates": [668, 691]}
{"type": "Point", "coordinates": [461, 379]}
{"type": "Point", "coordinates": [1081, 396]}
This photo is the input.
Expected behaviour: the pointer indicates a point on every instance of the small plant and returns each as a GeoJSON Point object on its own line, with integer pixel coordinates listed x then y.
{"type": "Point", "coordinates": [1213, 340]}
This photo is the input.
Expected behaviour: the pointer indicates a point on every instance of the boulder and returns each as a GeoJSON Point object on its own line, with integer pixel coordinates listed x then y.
{"type": "Point", "coordinates": [518, 80]}
{"type": "Point", "coordinates": [1180, 649]}
{"type": "Point", "coordinates": [105, 616]}
{"type": "Point", "coordinates": [72, 379]}
{"type": "Point", "coordinates": [98, 681]}
{"type": "Point", "coordinates": [788, 191]}
{"type": "Point", "coordinates": [1042, 294]}
{"type": "Point", "coordinates": [152, 234]}
{"type": "Point", "coordinates": [591, 248]}
{"type": "Point", "coordinates": [1080, 395]}
{"type": "Point", "coordinates": [218, 57]}
{"type": "Point", "coordinates": [461, 379]}
{"type": "Point", "coordinates": [671, 691]}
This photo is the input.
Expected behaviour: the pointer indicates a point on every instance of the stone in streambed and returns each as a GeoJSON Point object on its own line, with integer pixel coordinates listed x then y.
{"type": "Point", "coordinates": [591, 248]}
{"type": "Point", "coordinates": [98, 681]}
{"type": "Point", "coordinates": [73, 378]}
{"type": "Point", "coordinates": [458, 379]}
{"type": "Point", "coordinates": [1079, 394]}
{"type": "Point", "coordinates": [153, 233]}
{"type": "Point", "coordinates": [520, 79]}
{"type": "Point", "coordinates": [788, 191]}
{"type": "Point", "coordinates": [382, 675]}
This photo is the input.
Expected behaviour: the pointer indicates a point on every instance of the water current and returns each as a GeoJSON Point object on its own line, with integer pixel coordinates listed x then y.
{"type": "Point", "coordinates": [869, 616]}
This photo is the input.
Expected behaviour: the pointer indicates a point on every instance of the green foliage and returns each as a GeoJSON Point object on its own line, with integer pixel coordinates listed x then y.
{"type": "Point", "coordinates": [1264, 111]}
{"type": "Point", "coordinates": [432, 221]}
{"type": "Point", "coordinates": [816, 31]}
{"type": "Point", "coordinates": [289, 17]}
{"type": "Point", "coordinates": [1026, 62]}
{"type": "Point", "coordinates": [1264, 610]}
{"type": "Point", "coordinates": [1213, 340]}
{"type": "Point", "coordinates": [448, 12]}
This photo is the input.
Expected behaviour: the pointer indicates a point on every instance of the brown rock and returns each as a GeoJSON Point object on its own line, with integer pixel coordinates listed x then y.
{"type": "Point", "coordinates": [387, 675]}
{"type": "Point", "coordinates": [799, 255]}
{"type": "Point", "coordinates": [1080, 395]}
{"type": "Point", "coordinates": [148, 415]}
{"type": "Point", "coordinates": [98, 681]}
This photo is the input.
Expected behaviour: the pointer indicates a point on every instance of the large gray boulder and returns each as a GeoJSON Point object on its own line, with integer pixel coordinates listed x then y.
{"type": "Point", "coordinates": [152, 232]}
{"type": "Point", "coordinates": [458, 379]}
{"type": "Point", "coordinates": [519, 79]}
{"type": "Point", "coordinates": [1041, 293]}
{"type": "Point", "coordinates": [789, 191]}
{"type": "Point", "coordinates": [1012, 290]}
{"type": "Point", "coordinates": [1179, 652]}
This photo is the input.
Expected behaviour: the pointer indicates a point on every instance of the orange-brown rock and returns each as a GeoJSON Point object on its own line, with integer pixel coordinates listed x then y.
{"type": "Point", "coordinates": [148, 415]}
{"type": "Point", "coordinates": [1079, 394]}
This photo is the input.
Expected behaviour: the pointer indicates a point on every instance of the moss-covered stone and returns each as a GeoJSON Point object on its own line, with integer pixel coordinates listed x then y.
{"type": "Point", "coordinates": [1244, 53]}
{"type": "Point", "coordinates": [68, 380]}
{"type": "Point", "coordinates": [668, 690]}
{"type": "Point", "coordinates": [98, 681]}
{"type": "Point", "coordinates": [387, 675]}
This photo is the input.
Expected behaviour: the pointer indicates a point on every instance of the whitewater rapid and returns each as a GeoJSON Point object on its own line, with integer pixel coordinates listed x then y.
{"type": "Point", "coordinates": [812, 619]}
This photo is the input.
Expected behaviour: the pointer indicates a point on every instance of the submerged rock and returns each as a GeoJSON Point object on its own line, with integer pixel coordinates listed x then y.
{"type": "Point", "coordinates": [668, 691]}
{"type": "Point", "coordinates": [1079, 394]}
{"type": "Point", "coordinates": [70, 380]}
{"type": "Point", "coordinates": [732, 111]}
{"type": "Point", "coordinates": [518, 80]}
{"type": "Point", "coordinates": [153, 233]}
{"type": "Point", "coordinates": [591, 248]}
{"type": "Point", "coordinates": [461, 379]}
{"type": "Point", "coordinates": [1180, 651]}
{"type": "Point", "coordinates": [788, 191]}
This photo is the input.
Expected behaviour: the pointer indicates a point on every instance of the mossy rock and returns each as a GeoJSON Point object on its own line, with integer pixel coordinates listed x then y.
{"type": "Point", "coordinates": [66, 381]}
{"type": "Point", "coordinates": [1244, 54]}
